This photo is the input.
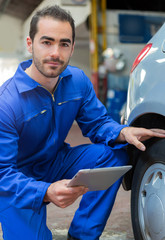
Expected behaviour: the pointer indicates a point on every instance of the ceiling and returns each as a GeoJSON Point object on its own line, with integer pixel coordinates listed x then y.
{"type": "Point", "coordinates": [142, 5]}
{"type": "Point", "coordinates": [18, 8]}
{"type": "Point", "coordinates": [23, 8]}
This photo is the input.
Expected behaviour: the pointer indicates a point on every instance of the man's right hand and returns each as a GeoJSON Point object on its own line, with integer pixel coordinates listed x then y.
{"type": "Point", "coordinates": [63, 196]}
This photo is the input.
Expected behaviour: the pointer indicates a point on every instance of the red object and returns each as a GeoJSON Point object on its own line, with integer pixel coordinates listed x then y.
{"type": "Point", "coordinates": [141, 55]}
{"type": "Point", "coordinates": [95, 81]}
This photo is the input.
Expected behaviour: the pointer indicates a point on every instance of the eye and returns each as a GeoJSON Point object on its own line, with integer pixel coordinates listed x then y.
{"type": "Point", "coordinates": [64, 44]}
{"type": "Point", "coordinates": [46, 43]}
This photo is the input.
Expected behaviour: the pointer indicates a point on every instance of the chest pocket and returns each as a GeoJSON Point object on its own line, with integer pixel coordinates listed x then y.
{"type": "Point", "coordinates": [70, 107]}
{"type": "Point", "coordinates": [74, 100]}
{"type": "Point", "coordinates": [37, 114]}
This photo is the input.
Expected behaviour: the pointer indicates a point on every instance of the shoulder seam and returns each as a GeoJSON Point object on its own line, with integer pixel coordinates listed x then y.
{"type": "Point", "coordinates": [1, 92]}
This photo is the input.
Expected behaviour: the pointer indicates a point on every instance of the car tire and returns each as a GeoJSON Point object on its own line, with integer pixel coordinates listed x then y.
{"type": "Point", "coordinates": [148, 193]}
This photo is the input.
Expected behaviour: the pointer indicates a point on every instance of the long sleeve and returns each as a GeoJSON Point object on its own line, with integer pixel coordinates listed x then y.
{"type": "Point", "coordinates": [94, 121]}
{"type": "Point", "coordinates": [16, 189]}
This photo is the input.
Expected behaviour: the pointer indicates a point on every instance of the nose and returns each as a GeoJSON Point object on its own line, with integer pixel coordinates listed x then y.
{"type": "Point", "coordinates": [55, 52]}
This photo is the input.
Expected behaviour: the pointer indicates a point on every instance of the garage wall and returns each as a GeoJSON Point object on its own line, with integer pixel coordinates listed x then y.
{"type": "Point", "coordinates": [130, 50]}
{"type": "Point", "coordinates": [11, 36]}
{"type": "Point", "coordinates": [14, 33]}
{"type": "Point", "coordinates": [10, 46]}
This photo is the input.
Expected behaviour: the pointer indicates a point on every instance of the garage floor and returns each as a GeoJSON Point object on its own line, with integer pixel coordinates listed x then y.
{"type": "Point", "coordinates": [119, 224]}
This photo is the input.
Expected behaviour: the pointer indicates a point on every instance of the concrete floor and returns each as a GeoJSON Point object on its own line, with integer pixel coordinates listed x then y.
{"type": "Point", "coordinates": [119, 224]}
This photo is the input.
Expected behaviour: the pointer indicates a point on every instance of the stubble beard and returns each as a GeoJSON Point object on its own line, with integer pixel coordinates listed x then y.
{"type": "Point", "coordinates": [53, 71]}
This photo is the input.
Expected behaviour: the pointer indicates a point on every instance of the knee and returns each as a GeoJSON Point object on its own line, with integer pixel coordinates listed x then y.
{"type": "Point", "coordinates": [109, 157]}
{"type": "Point", "coordinates": [122, 156]}
{"type": "Point", "coordinates": [117, 157]}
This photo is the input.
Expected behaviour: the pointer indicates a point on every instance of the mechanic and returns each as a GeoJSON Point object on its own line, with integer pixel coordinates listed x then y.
{"type": "Point", "coordinates": [38, 106]}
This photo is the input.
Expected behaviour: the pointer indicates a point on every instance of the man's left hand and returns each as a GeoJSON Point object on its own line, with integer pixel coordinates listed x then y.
{"type": "Point", "coordinates": [136, 136]}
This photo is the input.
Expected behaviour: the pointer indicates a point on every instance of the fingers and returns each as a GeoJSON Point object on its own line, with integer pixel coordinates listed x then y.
{"type": "Point", "coordinates": [149, 133]}
{"type": "Point", "coordinates": [69, 196]}
{"type": "Point", "coordinates": [135, 141]}
{"type": "Point", "coordinates": [136, 136]}
{"type": "Point", "coordinates": [63, 196]}
{"type": "Point", "coordinates": [158, 132]}
{"type": "Point", "coordinates": [76, 191]}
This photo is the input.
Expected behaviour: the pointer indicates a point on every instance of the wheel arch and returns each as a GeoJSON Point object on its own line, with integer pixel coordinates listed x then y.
{"type": "Point", "coordinates": [148, 120]}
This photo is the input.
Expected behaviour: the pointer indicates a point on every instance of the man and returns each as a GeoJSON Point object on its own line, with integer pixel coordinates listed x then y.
{"type": "Point", "coordinates": [37, 108]}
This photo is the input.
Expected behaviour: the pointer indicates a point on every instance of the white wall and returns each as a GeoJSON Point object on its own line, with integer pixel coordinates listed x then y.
{"type": "Point", "coordinates": [11, 36]}
{"type": "Point", "coordinates": [10, 46]}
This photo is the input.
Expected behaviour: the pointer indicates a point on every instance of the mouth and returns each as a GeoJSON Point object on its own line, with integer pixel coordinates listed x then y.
{"type": "Point", "coordinates": [54, 62]}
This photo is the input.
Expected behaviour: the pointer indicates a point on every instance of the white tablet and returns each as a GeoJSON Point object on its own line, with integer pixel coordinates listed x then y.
{"type": "Point", "coordinates": [98, 178]}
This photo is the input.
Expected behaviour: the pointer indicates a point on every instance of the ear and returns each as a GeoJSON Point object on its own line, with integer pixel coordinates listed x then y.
{"type": "Point", "coordinates": [29, 44]}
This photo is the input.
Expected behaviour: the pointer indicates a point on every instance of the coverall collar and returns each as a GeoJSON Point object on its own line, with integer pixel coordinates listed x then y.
{"type": "Point", "coordinates": [24, 82]}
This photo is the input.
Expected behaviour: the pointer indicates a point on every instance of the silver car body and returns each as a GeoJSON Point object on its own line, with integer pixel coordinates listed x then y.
{"type": "Point", "coordinates": [146, 108]}
{"type": "Point", "coordinates": [146, 90]}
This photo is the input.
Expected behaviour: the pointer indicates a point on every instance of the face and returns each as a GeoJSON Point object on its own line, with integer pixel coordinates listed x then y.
{"type": "Point", "coordinates": [51, 48]}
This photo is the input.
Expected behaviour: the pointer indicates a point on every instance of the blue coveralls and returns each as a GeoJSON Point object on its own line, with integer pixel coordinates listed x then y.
{"type": "Point", "coordinates": [33, 126]}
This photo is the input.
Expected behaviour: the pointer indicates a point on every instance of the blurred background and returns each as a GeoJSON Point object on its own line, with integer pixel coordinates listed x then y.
{"type": "Point", "coordinates": [109, 35]}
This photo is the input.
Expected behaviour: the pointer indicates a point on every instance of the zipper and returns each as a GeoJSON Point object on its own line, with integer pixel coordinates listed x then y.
{"type": "Point", "coordinates": [68, 101]}
{"type": "Point", "coordinates": [42, 112]}
{"type": "Point", "coordinates": [52, 94]}
{"type": "Point", "coordinates": [53, 114]}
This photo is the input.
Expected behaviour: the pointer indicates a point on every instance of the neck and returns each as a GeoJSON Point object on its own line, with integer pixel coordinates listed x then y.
{"type": "Point", "coordinates": [48, 83]}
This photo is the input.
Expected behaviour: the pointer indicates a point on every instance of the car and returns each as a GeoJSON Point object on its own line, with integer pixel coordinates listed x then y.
{"type": "Point", "coordinates": [145, 107]}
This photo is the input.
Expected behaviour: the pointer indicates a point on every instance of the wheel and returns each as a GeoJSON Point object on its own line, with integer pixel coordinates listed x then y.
{"type": "Point", "coordinates": [148, 194]}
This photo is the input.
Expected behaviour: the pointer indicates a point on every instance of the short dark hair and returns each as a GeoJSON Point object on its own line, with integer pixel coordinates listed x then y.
{"type": "Point", "coordinates": [55, 12]}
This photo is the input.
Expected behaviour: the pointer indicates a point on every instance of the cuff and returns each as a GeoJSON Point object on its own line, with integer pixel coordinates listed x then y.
{"type": "Point", "coordinates": [111, 141]}
{"type": "Point", "coordinates": [40, 193]}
